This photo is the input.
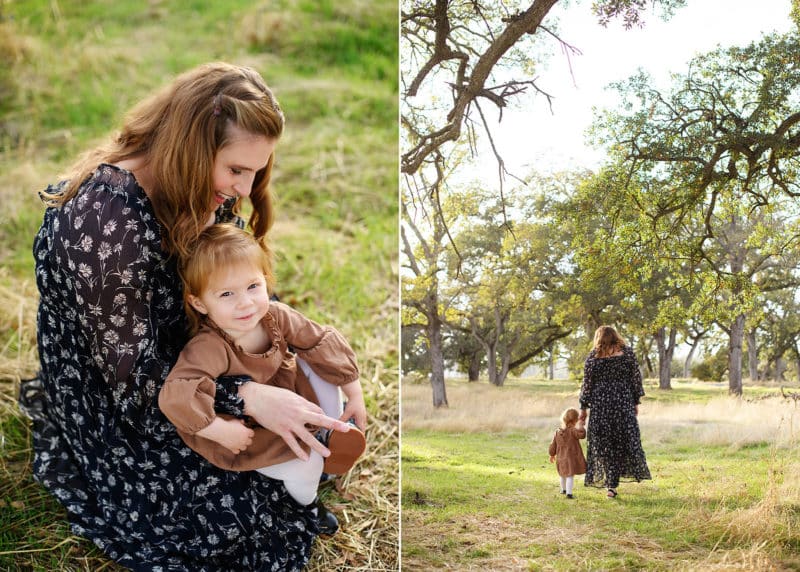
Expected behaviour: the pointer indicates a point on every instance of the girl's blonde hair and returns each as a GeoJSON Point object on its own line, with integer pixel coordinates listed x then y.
{"type": "Point", "coordinates": [178, 132]}
{"type": "Point", "coordinates": [219, 248]}
{"type": "Point", "coordinates": [569, 417]}
{"type": "Point", "coordinates": [607, 341]}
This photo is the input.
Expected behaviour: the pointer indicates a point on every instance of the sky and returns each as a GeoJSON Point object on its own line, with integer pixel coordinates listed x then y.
{"type": "Point", "coordinates": [535, 138]}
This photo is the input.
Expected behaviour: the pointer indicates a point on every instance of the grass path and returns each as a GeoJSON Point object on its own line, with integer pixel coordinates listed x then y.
{"type": "Point", "coordinates": [488, 499]}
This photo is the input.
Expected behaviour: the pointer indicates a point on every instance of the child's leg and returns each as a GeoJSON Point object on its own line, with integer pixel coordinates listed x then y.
{"type": "Point", "coordinates": [300, 478]}
{"type": "Point", "coordinates": [346, 447]}
{"type": "Point", "coordinates": [570, 481]}
{"type": "Point", "coordinates": [327, 393]}
{"type": "Point", "coordinates": [563, 483]}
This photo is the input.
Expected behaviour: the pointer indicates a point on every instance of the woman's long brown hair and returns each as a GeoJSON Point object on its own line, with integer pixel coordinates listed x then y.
{"type": "Point", "coordinates": [178, 132]}
{"type": "Point", "coordinates": [607, 342]}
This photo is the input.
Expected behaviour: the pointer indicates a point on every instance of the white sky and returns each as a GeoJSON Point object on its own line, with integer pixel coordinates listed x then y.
{"type": "Point", "coordinates": [535, 138]}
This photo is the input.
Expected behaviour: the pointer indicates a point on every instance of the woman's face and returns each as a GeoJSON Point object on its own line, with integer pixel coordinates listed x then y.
{"type": "Point", "coordinates": [236, 164]}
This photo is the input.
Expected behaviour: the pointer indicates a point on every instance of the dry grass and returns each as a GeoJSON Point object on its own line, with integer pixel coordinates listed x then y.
{"type": "Point", "coordinates": [469, 411]}
{"type": "Point", "coordinates": [723, 420]}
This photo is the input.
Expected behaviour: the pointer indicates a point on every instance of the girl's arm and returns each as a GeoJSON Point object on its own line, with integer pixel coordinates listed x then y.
{"type": "Point", "coordinates": [355, 407]}
{"type": "Point", "coordinates": [323, 347]}
{"type": "Point", "coordinates": [187, 397]}
{"type": "Point", "coordinates": [230, 433]}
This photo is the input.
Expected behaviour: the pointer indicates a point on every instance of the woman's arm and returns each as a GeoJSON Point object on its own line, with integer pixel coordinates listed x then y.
{"type": "Point", "coordinates": [636, 379]}
{"type": "Point", "coordinates": [105, 244]}
{"type": "Point", "coordinates": [585, 396]}
{"type": "Point", "coordinates": [287, 414]}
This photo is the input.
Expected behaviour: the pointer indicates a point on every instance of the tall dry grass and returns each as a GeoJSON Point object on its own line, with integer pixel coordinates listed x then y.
{"type": "Point", "coordinates": [722, 420]}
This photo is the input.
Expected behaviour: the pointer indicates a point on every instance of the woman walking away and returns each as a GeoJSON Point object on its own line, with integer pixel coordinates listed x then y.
{"type": "Point", "coordinates": [612, 389]}
{"type": "Point", "coordinates": [566, 452]}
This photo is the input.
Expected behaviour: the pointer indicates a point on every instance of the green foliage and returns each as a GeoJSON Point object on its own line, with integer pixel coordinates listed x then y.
{"type": "Point", "coordinates": [712, 367]}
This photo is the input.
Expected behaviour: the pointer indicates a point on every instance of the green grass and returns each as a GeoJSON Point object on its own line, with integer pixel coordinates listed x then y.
{"type": "Point", "coordinates": [77, 66]}
{"type": "Point", "coordinates": [482, 499]}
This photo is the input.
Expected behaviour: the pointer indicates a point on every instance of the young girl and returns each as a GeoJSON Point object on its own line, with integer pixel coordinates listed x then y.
{"type": "Point", "coordinates": [566, 452]}
{"type": "Point", "coordinates": [241, 332]}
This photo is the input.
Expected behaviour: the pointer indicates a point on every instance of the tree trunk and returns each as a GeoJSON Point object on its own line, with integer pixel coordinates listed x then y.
{"type": "Point", "coordinates": [752, 355]}
{"type": "Point", "coordinates": [666, 349]}
{"type": "Point", "coordinates": [497, 376]}
{"type": "Point", "coordinates": [491, 359]}
{"type": "Point", "coordinates": [780, 369]}
{"type": "Point", "coordinates": [437, 362]}
{"type": "Point", "coordinates": [735, 356]}
{"type": "Point", "coordinates": [687, 365]}
{"type": "Point", "coordinates": [797, 367]}
{"type": "Point", "coordinates": [474, 369]}
{"type": "Point", "coordinates": [551, 364]}
{"type": "Point", "coordinates": [648, 365]}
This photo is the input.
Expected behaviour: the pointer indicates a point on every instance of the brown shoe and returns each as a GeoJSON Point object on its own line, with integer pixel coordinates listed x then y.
{"type": "Point", "coordinates": [345, 449]}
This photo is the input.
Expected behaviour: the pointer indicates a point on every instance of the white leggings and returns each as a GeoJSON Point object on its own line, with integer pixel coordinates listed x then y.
{"type": "Point", "coordinates": [301, 478]}
{"type": "Point", "coordinates": [567, 483]}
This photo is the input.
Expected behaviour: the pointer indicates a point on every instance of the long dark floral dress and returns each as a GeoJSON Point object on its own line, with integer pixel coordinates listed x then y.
{"type": "Point", "coordinates": [110, 326]}
{"type": "Point", "coordinates": [612, 388]}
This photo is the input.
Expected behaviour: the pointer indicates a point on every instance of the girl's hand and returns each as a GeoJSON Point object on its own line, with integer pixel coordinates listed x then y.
{"type": "Point", "coordinates": [287, 414]}
{"type": "Point", "coordinates": [355, 407]}
{"type": "Point", "coordinates": [552, 458]}
{"type": "Point", "coordinates": [230, 433]}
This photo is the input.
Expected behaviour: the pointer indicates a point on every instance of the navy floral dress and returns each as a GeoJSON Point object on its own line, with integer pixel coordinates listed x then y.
{"type": "Point", "coordinates": [110, 326]}
{"type": "Point", "coordinates": [612, 388]}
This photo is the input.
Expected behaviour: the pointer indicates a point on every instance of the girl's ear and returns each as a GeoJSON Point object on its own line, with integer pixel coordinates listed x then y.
{"type": "Point", "coordinates": [197, 304]}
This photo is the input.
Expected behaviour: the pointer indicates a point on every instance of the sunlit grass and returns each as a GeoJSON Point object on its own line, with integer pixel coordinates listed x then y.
{"type": "Point", "coordinates": [478, 492]}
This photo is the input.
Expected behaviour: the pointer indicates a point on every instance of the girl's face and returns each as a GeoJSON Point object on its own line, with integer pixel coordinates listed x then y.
{"type": "Point", "coordinates": [236, 164]}
{"type": "Point", "coordinates": [235, 298]}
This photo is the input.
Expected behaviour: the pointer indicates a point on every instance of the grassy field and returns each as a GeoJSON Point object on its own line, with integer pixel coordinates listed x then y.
{"type": "Point", "coordinates": [69, 69]}
{"type": "Point", "coordinates": [479, 493]}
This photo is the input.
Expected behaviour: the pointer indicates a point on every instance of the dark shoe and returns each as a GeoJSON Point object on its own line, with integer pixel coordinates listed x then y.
{"type": "Point", "coordinates": [611, 493]}
{"type": "Point", "coordinates": [563, 492]}
{"type": "Point", "coordinates": [569, 496]}
{"type": "Point", "coordinates": [345, 449]}
{"type": "Point", "coordinates": [326, 520]}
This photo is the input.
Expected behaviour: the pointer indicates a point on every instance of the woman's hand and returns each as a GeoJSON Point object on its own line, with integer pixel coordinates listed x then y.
{"type": "Point", "coordinates": [230, 433]}
{"type": "Point", "coordinates": [287, 414]}
{"type": "Point", "coordinates": [636, 409]}
{"type": "Point", "coordinates": [355, 407]}
{"type": "Point", "coordinates": [582, 417]}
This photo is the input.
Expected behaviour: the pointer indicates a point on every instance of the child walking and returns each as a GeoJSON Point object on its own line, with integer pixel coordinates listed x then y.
{"type": "Point", "coordinates": [566, 451]}
{"type": "Point", "coordinates": [239, 331]}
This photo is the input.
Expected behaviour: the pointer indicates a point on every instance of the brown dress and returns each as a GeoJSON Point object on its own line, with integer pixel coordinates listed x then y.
{"type": "Point", "coordinates": [187, 398]}
{"type": "Point", "coordinates": [568, 452]}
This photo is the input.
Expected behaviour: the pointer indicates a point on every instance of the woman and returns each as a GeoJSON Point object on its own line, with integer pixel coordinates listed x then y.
{"type": "Point", "coordinates": [612, 389]}
{"type": "Point", "coordinates": [111, 324]}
